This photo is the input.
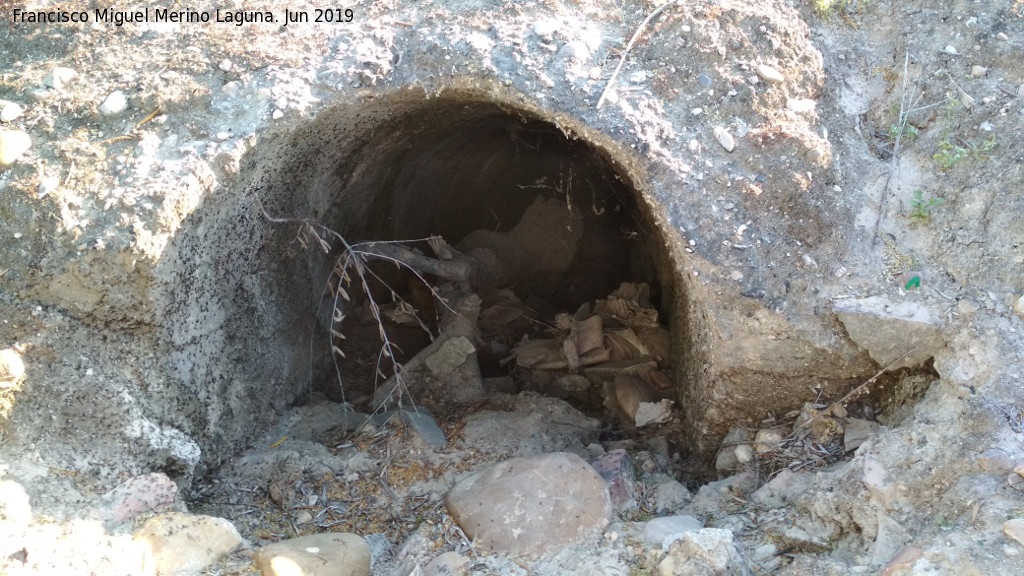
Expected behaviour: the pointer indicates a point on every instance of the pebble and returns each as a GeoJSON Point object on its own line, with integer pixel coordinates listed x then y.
{"type": "Point", "coordinates": [978, 71]}
{"type": "Point", "coordinates": [225, 65]}
{"type": "Point", "coordinates": [10, 111]}
{"type": "Point", "coordinates": [277, 114]}
{"type": "Point", "coordinates": [769, 74]}
{"type": "Point", "coordinates": [725, 139]}
{"type": "Point", "coordinates": [531, 505]}
{"type": "Point", "coordinates": [447, 564]}
{"type": "Point", "coordinates": [595, 73]}
{"type": "Point", "coordinates": [230, 89]}
{"type": "Point", "coordinates": [856, 431]}
{"type": "Point", "coordinates": [704, 80]}
{"type": "Point", "coordinates": [222, 136]}
{"type": "Point", "coordinates": [46, 186]}
{"type": "Point", "coordinates": [334, 554]}
{"type": "Point", "coordinates": [800, 105]}
{"type": "Point", "coordinates": [670, 496]}
{"type": "Point", "coordinates": [638, 77]}
{"type": "Point", "coordinates": [13, 143]}
{"type": "Point", "coordinates": [545, 28]}
{"type": "Point", "coordinates": [903, 561]}
{"type": "Point", "coordinates": [177, 542]}
{"type": "Point", "coordinates": [58, 77]}
{"type": "Point", "coordinates": [1002, 36]}
{"type": "Point", "coordinates": [949, 49]}
{"type": "Point", "coordinates": [1014, 530]}
{"type": "Point", "coordinates": [12, 369]}
{"type": "Point", "coordinates": [995, 461]}
{"type": "Point", "coordinates": [115, 103]}
{"type": "Point", "coordinates": [660, 533]}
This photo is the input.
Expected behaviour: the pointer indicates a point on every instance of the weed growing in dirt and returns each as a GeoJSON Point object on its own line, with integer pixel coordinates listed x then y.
{"type": "Point", "coordinates": [921, 208]}
{"type": "Point", "coordinates": [909, 133]}
{"type": "Point", "coordinates": [953, 150]}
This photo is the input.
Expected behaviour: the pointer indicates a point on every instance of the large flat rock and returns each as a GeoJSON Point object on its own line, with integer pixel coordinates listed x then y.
{"type": "Point", "coordinates": [898, 333]}
{"type": "Point", "coordinates": [531, 505]}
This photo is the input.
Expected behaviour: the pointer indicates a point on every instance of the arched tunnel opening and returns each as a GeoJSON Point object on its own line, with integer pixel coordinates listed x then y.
{"type": "Point", "coordinates": [560, 245]}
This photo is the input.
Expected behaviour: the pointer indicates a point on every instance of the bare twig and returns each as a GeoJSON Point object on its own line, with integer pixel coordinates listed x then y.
{"type": "Point", "coordinates": [632, 41]}
{"type": "Point", "coordinates": [902, 122]}
{"type": "Point", "coordinates": [856, 391]}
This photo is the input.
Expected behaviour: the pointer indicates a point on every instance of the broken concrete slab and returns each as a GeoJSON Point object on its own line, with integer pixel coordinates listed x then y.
{"type": "Point", "coordinates": [894, 334]}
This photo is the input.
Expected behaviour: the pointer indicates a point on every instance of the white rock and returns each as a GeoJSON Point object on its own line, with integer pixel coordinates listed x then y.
{"type": "Point", "coordinates": [12, 369]}
{"type": "Point", "coordinates": [662, 532]}
{"type": "Point", "coordinates": [10, 111]}
{"type": "Point", "coordinates": [178, 542]}
{"type": "Point", "coordinates": [801, 105]}
{"type": "Point", "coordinates": [230, 89]}
{"type": "Point", "coordinates": [58, 77]}
{"type": "Point", "coordinates": [653, 412]}
{"type": "Point", "coordinates": [638, 77]}
{"type": "Point", "coordinates": [769, 74]}
{"type": "Point", "coordinates": [222, 136]}
{"type": "Point", "coordinates": [115, 103]}
{"type": "Point", "coordinates": [13, 143]}
{"type": "Point", "coordinates": [47, 185]}
{"type": "Point", "coordinates": [595, 74]}
{"type": "Point", "coordinates": [978, 71]}
{"type": "Point", "coordinates": [725, 139]}
{"type": "Point", "coordinates": [949, 49]}
{"type": "Point", "coordinates": [545, 28]}
{"type": "Point", "coordinates": [225, 65]}
{"type": "Point", "coordinates": [1018, 306]}
{"type": "Point", "coordinates": [277, 114]}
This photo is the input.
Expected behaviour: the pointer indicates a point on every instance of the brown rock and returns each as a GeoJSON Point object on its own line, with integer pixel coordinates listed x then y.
{"type": "Point", "coordinates": [1014, 530]}
{"type": "Point", "coordinates": [138, 495]}
{"type": "Point", "coordinates": [177, 542]}
{"type": "Point", "coordinates": [903, 561]}
{"type": "Point", "coordinates": [531, 505]}
{"type": "Point", "coordinates": [334, 554]}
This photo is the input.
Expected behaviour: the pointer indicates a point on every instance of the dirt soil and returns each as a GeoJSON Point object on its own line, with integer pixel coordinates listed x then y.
{"type": "Point", "coordinates": [164, 324]}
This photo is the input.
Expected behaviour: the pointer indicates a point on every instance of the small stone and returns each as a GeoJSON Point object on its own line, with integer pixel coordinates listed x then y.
{"type": "Point", "coordinates": [531, 505]}
{"type": "Point", "coordinates": [447, 564]}
{"type": "Point", "coordinates": [704, 80]}
{"type": "Point", "coordinates": [1014, 530]}
{"type": "Point", "coordinates": [856, 431]}
{"type": "Point", "coordinates": [1016, 482]}
{"type": "Point", "coordinates": [277, 114]}
{"type": "Point", "coordinates": [595, 73]}
{"type": "Point", "coordinates": [13, 143]}
{"type": "Point", "coordinates": [58, 77]}
{"type": "Point", "coordinates": [616, 469]}
{"type": "Point", "coordinates": [10, 112]}
{"type": "Point", "coordinates": [545, 28]}
{"type": "Point", "coordinates": [638, 77]}
{"type": "Point", "coordinates": [660, 533]}
{"type": "Point", "coordinates": [303, 517]}
{"type": "Point", "coordinates": [450, 355]}
{"type": "Point", "coordinates": [801, 105]}
{"type": "Point", "coordinates": [46, 186]}
{"type": "Point", "coordinates": [230, 89]}
{"type": "Point", "coordinates": [995, 461]}
{"type": "Point", "coordinates": [782, 489]}
{"type": "Point", "coordinates": [903, 561]}
{"type": "Point", "coordinates": [685, 29]}
{"type": "Point", "coordinates": [225, 65]}
{"type": "Point", "coordinates": [653, 413]}
{"type": "Point", "coordinates": [12, 369]}
{"type": "Point", "coordinates": [949, 49]}
{"type": "Point", "coordinates": [725, 139]}
{"type": "Point", "coordinates": [769, 74]}
{"type": "Point", "coordinates": [697, 111]}
{"type": "Point", "coordinates": [1002, 36]}
{"type": "Point", "coordinates": [670, 496]}
{"type": "Point", "coordinates": [222, 136]}
{"type": "Point", "coordinates": [1019, 470]}
{"type": "Point", "coordinates": [769, 439]}
{"type": "Point", "coordinates": [1018, 306]}
{"type": "Point", "coordinates": [179, 542]}
{"type": "Point", "coordinates": [114, 103]}
{"type": "Point", "coordinates": [333, 554]}
{"type": "Point", "coordinates": [978, 71]}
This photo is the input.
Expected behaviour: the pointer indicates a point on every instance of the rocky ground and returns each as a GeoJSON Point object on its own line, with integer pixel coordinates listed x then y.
{"type": "Point", "coordinates": [832, 190]}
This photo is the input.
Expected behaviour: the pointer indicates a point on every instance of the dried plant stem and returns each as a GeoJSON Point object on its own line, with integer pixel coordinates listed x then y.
{"type": "Point", "coordinates": [856, 391]}
{"type": "Point", "coordinates": [632, 41]}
